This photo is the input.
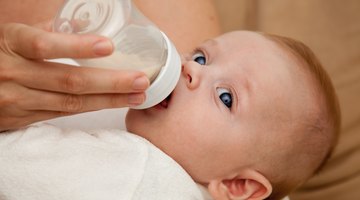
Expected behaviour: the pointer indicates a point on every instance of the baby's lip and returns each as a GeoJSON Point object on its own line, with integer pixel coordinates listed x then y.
{"type": "Point", "coordinates": [165, 103]}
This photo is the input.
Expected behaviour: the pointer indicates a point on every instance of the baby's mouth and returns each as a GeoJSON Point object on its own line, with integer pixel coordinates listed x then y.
{"type": "Point", "coordinates": [165, 102]}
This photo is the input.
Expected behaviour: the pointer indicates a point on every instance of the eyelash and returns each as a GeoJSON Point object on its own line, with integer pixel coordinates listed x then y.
{"type": "Point", "coordinates": [196, 52]}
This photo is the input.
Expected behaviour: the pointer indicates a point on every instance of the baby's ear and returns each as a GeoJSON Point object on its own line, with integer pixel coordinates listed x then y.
{"type": "Point", "coordinates": [250, 185]}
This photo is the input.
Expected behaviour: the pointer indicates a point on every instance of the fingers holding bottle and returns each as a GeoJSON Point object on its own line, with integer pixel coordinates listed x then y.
{"type": "Point", "coordinates": [22, 105]}
{"type": "Point", "coordinates": [32, 89]}
{"type": "Point", "coordinates": [34, 43]}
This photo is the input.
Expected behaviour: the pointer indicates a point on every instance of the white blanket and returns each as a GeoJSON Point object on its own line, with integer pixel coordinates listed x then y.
{"type": "Point", "coordinates": [45, 163]}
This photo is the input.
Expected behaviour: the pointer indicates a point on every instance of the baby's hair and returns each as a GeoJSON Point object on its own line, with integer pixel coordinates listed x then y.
{"type": "Point", "coordinates": [331, 126]}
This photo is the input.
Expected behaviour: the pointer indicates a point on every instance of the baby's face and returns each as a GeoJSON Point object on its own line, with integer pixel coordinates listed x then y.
{"type": "Point", "coordinates": [226, 107]}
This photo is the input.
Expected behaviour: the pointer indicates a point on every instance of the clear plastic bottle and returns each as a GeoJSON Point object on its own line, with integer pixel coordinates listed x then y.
{"type": "Point", "coordinates": [139, 44]}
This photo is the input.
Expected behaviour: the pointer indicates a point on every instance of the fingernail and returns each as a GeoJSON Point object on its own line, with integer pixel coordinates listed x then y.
{"type": "Point", "coordinates": [141, 83]}
{"type": "Point", "coordinates": [136, 99]}
{"type": "Point", "coordinates": [103, 48]}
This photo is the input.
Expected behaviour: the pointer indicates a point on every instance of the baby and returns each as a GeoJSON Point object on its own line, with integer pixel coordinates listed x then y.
{"type": "Point", "coordinates": [252, 117]}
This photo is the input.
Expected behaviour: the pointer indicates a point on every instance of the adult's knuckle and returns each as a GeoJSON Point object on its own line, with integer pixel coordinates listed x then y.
{"type": "Point", "coordinates": [74, 82]}
{"type": "Point", "coordinates": [6, 33]}
{"type": "Point", "coordinates": [116, 100]}
{"type": "Point", "coordinates": [9, 68]}
{"type": "Point", "coordinates": [73, 103]}
{"type": "Point", "coordinates": [6, 75]}
{"type": "Point", "coordinates": [40, 46]}
{"type": "Point", "coordinates": [117, 85]}
{"type": "Point", "coordinates": [6, 30]}
{"type": "Point", "coordinates": [7, 100]}
{"type": "Point", "coordinates": [10, 114]}
{"type": "Point", "coordinates": [121, 84]}
{"type": "Point", "coordinates": [5, 46]}
{"type": "Point", "coordinates": [6, 41]}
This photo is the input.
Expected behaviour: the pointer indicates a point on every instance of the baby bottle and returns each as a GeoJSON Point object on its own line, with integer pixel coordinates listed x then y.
{"type": "Point", "coordinates": [139, 44]}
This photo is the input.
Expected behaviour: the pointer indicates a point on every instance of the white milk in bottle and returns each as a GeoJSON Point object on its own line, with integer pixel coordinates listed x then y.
{"type": "Point", "coordinates": [139, 44]}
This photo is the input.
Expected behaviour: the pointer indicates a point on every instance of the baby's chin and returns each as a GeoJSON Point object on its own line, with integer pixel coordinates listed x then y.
{"type": "Point", "coordinates": [133, 115]}
{"type": "Point", "coordinates": [134, 123]}
{"type": "Point", "coordinates": [132, 128]}
{"type": "Point", "coordinates": [130, 121]}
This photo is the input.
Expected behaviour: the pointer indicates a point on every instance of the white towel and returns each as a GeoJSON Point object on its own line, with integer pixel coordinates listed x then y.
{"type": "Point", "coordinates": [45, 163]}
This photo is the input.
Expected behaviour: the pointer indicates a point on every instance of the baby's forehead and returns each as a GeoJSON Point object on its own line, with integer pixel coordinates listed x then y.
{"type": "Point", "coordinates": [245, 43]}
{"type": "Point", "coordinates": [242, 33]}
{"type": "Point", "coordinates": [239, 46]}
{"type": "Point", "coordinates": [244, 37]}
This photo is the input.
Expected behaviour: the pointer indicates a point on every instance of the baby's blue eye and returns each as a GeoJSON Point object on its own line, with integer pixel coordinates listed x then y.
{"type": "Point", "coordinates": [199, 58]}
{"type": "Point", "coordinates": [225, 96]}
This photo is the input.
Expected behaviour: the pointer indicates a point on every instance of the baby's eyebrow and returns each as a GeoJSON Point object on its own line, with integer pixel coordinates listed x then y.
{"type": "Point", "coordinates": [210, 42]}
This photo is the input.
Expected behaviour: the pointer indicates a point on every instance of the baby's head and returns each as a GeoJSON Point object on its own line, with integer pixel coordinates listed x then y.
{"type": "Point", "coordinates": [253, 116]}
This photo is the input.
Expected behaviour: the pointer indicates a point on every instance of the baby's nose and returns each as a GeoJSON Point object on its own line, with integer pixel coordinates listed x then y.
{"type": "Point", "coordinates": [191, 72]}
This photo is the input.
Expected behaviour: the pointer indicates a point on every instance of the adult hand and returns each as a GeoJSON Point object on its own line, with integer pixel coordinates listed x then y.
{"type": "Point", "coordinates": [32, 89]}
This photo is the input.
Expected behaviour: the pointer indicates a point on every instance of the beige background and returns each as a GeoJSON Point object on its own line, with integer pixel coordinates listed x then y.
{"type": "Point", "coordinates": [332, 29]}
